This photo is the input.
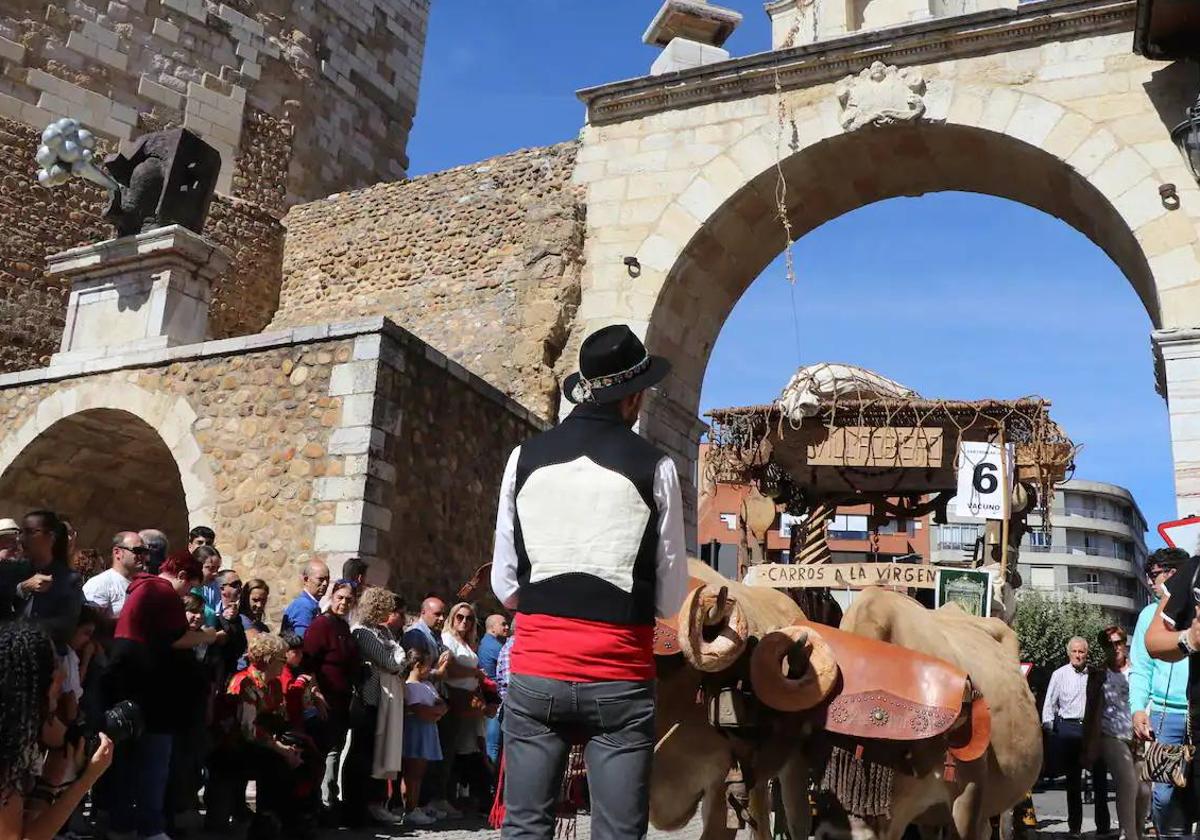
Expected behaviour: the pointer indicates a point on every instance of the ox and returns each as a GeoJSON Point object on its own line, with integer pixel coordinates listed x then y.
{"type": "Point", "coordinates": [997, 780]}
{"type": "Point", "coordinates": [715, 629]}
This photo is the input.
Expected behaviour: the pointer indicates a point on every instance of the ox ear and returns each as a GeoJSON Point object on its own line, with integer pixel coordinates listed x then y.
{"type": "Point", "coordinates": [793, 669]}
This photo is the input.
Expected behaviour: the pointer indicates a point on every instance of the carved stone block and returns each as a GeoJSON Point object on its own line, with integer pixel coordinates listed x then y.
{"type": "Point", "coordinates": [881, 95]}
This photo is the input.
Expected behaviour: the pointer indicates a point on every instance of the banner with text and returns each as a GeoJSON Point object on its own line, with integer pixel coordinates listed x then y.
{"type": "Point", "coordinates": [841, 575]}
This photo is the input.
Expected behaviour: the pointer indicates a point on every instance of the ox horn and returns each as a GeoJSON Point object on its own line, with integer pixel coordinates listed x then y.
{"type": "Point", "coordinates": [793, 669]}
{"type": "Point", "coordinates": [713, 629]}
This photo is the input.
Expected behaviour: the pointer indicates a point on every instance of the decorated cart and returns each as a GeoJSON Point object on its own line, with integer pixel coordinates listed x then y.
{"type": "Point", "coordinates": [842, 435]}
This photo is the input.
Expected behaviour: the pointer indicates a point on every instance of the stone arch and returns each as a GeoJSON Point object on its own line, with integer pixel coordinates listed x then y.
{"type": "Point", "coordinates": [111, 456]}
{"type": "Point", "coordinates": [720, 230]}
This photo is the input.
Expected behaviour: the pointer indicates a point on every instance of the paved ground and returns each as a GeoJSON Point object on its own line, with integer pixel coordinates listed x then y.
{"type": "Point", "coordinates": [1051, 811]}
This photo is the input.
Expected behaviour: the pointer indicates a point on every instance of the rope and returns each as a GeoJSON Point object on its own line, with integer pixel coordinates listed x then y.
{"type": "Point", "coordinates": [815, 548]}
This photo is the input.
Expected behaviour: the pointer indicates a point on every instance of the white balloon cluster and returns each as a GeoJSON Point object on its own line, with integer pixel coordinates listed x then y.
{"type": "Point", "coordinates": [67, 150]}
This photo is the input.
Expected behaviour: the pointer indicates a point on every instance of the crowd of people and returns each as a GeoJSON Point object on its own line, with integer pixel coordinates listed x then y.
{"type": "Point", "coordinates": [165, 665]}
{"type": "Point", "coordinates": [1099, 718]}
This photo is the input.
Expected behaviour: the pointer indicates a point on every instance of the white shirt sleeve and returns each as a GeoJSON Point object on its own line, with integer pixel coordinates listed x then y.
{"type": "Point", "coordinates": [1051, 705]}
{"type": "Point", "coordinates": [504, 551]}
{"type": "Point", "coordinates": [672, 550]}
{"type": "Point", "coordinates": [99, 592]}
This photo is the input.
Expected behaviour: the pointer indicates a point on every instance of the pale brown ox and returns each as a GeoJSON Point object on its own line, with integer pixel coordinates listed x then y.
{"type": "Point", "coordinates": [987, 650]}
{"type": "Point", "coordinates": [692, 763]}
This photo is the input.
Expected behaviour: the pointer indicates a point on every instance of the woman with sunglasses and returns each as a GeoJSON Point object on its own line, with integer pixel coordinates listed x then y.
{"type": "Point", "coordinates": [458, 730]}
{"type": "Point", "coordinates": [331, 654]}
{"type": "Point", "coordinates": [1108, 731]}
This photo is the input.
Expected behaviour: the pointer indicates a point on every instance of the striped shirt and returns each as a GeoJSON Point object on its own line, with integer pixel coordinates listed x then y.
{"type": "Point", "coordinates": [1066, 696]}
{"type": "Point", "coordinates": [504, 668]}
{"type": "Point", "coordinates": [380, 651]}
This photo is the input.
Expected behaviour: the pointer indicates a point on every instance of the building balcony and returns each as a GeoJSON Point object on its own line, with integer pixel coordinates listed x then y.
{"type": "Point", "coordinates": [1109, 597]}
{"type": "Point", "coordinates": [1077, 519]}
{"type": "Point", "coordinates": [1092, 513]}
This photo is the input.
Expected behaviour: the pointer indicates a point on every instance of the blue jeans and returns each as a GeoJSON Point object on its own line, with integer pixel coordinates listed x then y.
{"type": "Point", "coordinates": [615, 721]}
{"type": "Point", "coordinates": [140, 771]}
{"type": "Point", "coordinates": [1172, 810]}
{"type": "Point", "coordinates": [494, 737]}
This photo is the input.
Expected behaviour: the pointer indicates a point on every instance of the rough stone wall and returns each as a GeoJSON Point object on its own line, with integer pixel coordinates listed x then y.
{"type": "Point", "coordinates": [39, 222]}
{"type": "Point", "coordinates": [330, 441]}
{"type": "Point", "coordinates": [481, 261]}
{"type": "Point", "coordinates": [262, 423]}
{"type": "Point", "coordinates": [343, 72]}
{"type": "Point", "coordinates": [446, 442]}
{"type": "Point", "coordinates": [258, 177]}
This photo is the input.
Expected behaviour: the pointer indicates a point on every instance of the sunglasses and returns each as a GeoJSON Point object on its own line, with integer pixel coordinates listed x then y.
{"type": "Point", "coordinates": [237, 584]}
{"type": "Point", "coordinates": [140, 551]}
{"type": "Point", "coordinates": [463, 617]}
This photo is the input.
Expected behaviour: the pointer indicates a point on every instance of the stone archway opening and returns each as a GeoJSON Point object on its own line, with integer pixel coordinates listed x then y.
{"type": "Point", "coordinates": [831, 178]}
{"type": "Point", "coordinates": [105, 470]}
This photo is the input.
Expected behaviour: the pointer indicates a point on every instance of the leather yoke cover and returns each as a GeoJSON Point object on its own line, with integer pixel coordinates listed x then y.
{"type": "Point", "coordinates": [970, 742]}
{"type": "Point", "coordinates": [888, 692]}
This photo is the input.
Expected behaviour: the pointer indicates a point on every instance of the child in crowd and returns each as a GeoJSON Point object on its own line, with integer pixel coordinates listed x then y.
{"type": "Point", "coordinates": [423, 708]}
{"type": "Point", "coordinates": [301, 695]}
{"type": "Point", "coordinates": [261, 747]}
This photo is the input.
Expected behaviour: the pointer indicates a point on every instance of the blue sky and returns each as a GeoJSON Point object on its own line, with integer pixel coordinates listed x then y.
{"type": "Point", "coordinates": [955, 295]}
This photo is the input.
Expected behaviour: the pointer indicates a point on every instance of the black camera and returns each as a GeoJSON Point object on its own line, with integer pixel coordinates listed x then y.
{"type": "Point", "coordinates": [122, 722]}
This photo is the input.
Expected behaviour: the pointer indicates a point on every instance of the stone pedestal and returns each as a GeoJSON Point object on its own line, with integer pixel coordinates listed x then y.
{"type": "Point", "coordinates": [691, 33]}
{"type": "Point", "coordinates": [1179, 382]}
{"type": "Point", "coordinates": [142, 292]}
{"type": "Point", "coordinates": [684, 54]}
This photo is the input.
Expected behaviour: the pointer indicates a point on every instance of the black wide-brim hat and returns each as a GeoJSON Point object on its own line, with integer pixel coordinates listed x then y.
{"type": "Point", "coordinates": [613, 364]}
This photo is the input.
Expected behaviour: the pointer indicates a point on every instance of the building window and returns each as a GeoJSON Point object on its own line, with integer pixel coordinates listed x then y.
{"type": "Point", "coordinates": [898, 526]}
{"type": "Point", "coordinates": [958, 536]}
{"type": "Point", "coordinates": [1041, 577]}
{"type": "Point", "coordinates": [848, 527]}
{"type": "Point", "coordinates": [1039, 540]}
{"type": "Point", "coordinates": [1092, 581]}
{"type": "Point", "coordinates": [730, 521]}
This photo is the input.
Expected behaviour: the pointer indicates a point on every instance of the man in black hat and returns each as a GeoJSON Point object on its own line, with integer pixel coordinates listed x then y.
{"type": "Point", "coordinates": [589, 549]}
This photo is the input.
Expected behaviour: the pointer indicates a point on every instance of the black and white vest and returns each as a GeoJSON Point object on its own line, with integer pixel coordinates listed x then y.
{"type": "Point", "coordinates": [586, 528]}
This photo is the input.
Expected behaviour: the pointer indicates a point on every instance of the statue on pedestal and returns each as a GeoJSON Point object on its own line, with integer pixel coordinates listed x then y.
{"type": "Point", "coordinates": [167, 179]}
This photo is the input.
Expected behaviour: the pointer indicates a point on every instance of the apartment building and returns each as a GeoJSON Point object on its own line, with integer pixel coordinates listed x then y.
{"type": "Point", "coordinates": [1095, 547]}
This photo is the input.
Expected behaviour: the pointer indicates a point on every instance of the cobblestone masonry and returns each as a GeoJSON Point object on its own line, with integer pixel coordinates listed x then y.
{"type": "Point", "coordinates": [344, 72]}
{"type": "Point", "coordinates": [290, 444]}
{"type": "Point", "coordinates": [440, 470]}
{"type": "Point", "coordinates": [481, 261]}
{"type": "Point", "coordinates": [39, 222]}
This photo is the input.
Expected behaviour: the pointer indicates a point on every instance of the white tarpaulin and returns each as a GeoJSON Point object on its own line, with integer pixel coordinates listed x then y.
{"type": "Point", "coordinates": [814, 384]}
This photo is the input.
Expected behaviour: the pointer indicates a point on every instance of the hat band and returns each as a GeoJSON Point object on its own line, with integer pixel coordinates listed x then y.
{"type": "Point", "coordinates": [584, 390]}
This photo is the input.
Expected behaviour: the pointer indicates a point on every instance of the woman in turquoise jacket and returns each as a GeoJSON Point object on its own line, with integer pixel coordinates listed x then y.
{"type": "Point", "coordinates": [1158, 700]}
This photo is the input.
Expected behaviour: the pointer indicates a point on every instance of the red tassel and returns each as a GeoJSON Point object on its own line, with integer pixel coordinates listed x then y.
{"type": "Point", "coordinates": [496, 816]}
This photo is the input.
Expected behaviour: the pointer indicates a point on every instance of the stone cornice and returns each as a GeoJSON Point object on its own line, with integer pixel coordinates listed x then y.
{"type": "Point", "coordinates": [302, 336]}
{"type": "Point", "coordinates": [811, 64]}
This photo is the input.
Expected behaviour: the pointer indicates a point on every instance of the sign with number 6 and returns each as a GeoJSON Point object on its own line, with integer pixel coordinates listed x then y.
{"type": "Point", "coordinates": [984, 479]}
